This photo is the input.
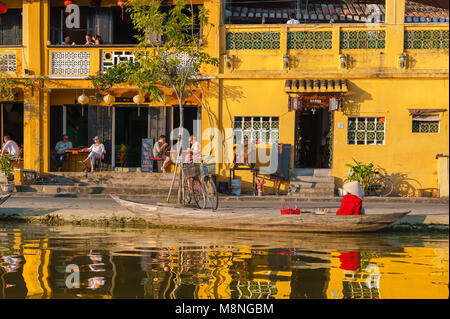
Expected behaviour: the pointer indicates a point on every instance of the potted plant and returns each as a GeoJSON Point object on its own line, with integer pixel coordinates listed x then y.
{"type": "Point", "coordinates": [6, 173]}
{"type": "Point", "coordinates": [362, 173]}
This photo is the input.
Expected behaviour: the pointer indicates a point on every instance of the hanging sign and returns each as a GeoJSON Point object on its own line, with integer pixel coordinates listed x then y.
{"type": "Point", "coordinates": [334, 104]}
{"type": "Point", "coordinates": [295, 103]}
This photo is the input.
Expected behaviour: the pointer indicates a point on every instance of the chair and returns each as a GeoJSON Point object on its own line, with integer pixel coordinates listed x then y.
{"type": "Point", "coordinates": [122, 156]}
{"type": "Point", "coordinates": [158, 162]}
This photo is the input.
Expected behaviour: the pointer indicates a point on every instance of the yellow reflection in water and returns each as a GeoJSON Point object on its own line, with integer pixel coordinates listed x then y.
{"type": "Point", "coordinates": [418, 273]}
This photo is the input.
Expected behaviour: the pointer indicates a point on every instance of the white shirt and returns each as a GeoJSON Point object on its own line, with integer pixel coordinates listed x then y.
{"type": "Point", "coordinates": [12, 148]}
{"type": "Point", "coordinates": [97, 150]}
{"type": "Point", "coordinates": [293, 21]}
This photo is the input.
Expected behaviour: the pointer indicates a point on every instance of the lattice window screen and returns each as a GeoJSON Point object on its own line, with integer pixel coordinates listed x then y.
{"type": "Point", "coordinates": [260, 130]}
{"type": "Point", "coordinates": [112, 58]}
{"type": "Point", "coordinates": [362, 39]}
{"type": "Point", "coordinates": [306, 40]}
{"type": "Point", "coordinates": [366, 130]}
{"type": "Point", "coordinates": [8, 62]}
{"type": "Point", "coordinates": [253, 40]}
{"type": "Point", "coordinates": [426, 39]}
{"type": "Point", "coordinates": [71, 63]}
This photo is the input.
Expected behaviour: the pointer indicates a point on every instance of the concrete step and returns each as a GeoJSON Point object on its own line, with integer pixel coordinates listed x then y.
{"type": "Point", "coordinates": [140, 178]}
{"type": "Point", "coordinates": [95, 189]}
{"type": "Point", "coordinates": [313, 179]}
{"type": "Point", "coordinates": [313, 185]}
{"type": "Point", "coordinates": [311, 172]}
{"type": "Point", "coordinates": [311, 192]}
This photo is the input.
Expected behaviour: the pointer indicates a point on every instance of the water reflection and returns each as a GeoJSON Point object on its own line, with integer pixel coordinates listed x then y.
{"type": "Point", "coordinates": [80, 262]}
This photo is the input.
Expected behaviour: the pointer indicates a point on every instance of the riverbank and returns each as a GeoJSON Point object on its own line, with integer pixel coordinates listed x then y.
{"type": "Point", "coordinates": [424, 216]}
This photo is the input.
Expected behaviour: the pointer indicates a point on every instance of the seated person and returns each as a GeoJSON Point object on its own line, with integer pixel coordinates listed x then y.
{"type": "Point", "coordinates": [293, 19]}
{"type": "Point", "coordinates": [97, 151]}
{"type": "Point", "coordinates": [89, 40]}
{"type": "Point", "coordinates": [67, 40]}
{"type": "Point", "coordinates": [60, 155]}
{"type": "Point", "coordinates": [195, 151]}
{"type": "Point", "coordinates": [352, 201]}
{"type": "Point", "coordinates": [10, 147]}
{"type": "Point", "coordinates": [97, 40]}
{"type": "Point", "coordinates": [159, 151]}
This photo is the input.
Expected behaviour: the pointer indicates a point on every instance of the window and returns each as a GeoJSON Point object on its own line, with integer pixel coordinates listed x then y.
{"type": "Point", "coordinates": [258, 130]}
{"type": "Point", "coordinates": [425, 123]}
{"type": "Point", "coordinates": [11, 27]}
{"type": "Point", "coordinates": [366, 130]}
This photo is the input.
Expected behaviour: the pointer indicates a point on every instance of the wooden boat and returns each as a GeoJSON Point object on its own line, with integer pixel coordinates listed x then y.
{"type": "Point", "coordinates": [259, 220]}
{"type": "Point", "coordinates": [4, 198]}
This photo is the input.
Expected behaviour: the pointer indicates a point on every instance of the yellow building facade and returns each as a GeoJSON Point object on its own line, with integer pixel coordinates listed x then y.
{"type": "Point", "coordinates": [332, 91]}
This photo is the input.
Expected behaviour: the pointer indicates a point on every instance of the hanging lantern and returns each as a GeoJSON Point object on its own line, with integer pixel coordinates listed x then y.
{"type": "Point", "coordinates": [3, 9]}
{"type": "Point", "coordinates": [138, 99]}
{"type": "Point", "coordinates": [121, 4]}
{"type": "Point", "coordinates": [83, 99]}
{"type": "Point", "coordinates": [109, 99]}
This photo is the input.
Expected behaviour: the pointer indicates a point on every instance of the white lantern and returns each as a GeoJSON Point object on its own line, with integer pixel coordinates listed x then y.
{"type": "Point", "coordinates": [109, 99]}
{"type": "Point", "coordinates": [83, 99]}
{"type": "Point", "coordinates": [138, 99]}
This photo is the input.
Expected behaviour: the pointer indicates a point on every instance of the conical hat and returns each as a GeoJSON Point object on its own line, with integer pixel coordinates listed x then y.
{"type": "Point", "coordinates": [353, 188]}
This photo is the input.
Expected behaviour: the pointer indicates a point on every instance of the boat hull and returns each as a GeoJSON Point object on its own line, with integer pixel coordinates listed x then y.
{"type": "Point", "coordinates": [4, 198]}
{"type": "Point", "coordinates": [259, 221]}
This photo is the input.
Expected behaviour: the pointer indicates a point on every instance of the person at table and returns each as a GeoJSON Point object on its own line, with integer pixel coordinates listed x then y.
{"type": "Point", "coordinates": [10, 147]}
{"type": "Point", "coordinates": [60, 155]}
{"type": "Point", "coordinates": [96, 151]}
{"type": "Point", "coordinates": [89, 40]}
{"type": "Point", "coordinates": [352, 201]}
{"type": "Point", "coordinates": [195, 151]}
{"type": "Point", "coordinates": [159, 151]}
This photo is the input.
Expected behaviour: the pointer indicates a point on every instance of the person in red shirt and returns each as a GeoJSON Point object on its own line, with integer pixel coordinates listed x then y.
{"type": "Point", "coordinates": [352, 201]}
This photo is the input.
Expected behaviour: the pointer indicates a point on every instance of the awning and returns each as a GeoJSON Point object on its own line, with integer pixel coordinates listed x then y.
{"type": "Point", "coordinates": [416, 112]}
{"type": "Point", "coordinates": [310, 86]}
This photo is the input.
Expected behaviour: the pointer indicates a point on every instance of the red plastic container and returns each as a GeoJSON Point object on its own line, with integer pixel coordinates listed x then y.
{"type": "Point", "coordinates": [290, 211]}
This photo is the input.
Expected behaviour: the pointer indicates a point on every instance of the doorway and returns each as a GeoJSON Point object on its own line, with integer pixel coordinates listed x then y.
{"type": "Point", "coordinates": [131, 126]}
{"type": "Point", "coordinates": [191, 114]}
{"type": "Point", "coordinates": [12, 121]}
{"type": "Point", "coordinates": [312, 138]}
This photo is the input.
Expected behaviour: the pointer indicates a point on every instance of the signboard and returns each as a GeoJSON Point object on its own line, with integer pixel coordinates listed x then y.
{"type": "Point", "coordinates": [315, 101]}
{"type": "Point", "coordinates": [146, 154]}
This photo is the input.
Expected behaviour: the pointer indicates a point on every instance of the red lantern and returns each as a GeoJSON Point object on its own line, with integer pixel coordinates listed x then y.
{"type": "Point", "coordinates": [3, 9]}
{"type": "Point", "coordinates": [68, 3]}
{"type": "Point", "coordinates": [121, 4]}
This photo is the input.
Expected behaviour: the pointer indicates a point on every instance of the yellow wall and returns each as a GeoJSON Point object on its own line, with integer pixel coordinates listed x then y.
{"type": "Point", "coordinates": [254, 86]}
{"type": "Point", "coordinates": [408, 158]}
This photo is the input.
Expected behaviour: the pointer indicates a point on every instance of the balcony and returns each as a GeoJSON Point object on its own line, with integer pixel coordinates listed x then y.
{"type": "Point", "coordinates": [326, 48]}
{"type": "Point", "coordinates": [79, 61]}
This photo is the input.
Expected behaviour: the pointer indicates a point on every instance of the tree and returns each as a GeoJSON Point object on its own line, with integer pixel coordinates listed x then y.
{"type": "Point", "coordinates": [171, 53]}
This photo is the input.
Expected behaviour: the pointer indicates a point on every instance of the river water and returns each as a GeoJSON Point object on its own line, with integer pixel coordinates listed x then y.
{"type": "Point", "coordinates": [94, 262]}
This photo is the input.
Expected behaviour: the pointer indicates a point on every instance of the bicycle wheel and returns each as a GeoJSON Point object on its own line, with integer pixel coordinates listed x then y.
{"type": "Point", "coordinates": [187, 198]}
{"type": "Point", "coordinates": [198, 194]}
{"type": "Point", "coordinates": [211, 192]}
{"type": "Point", "coordinates": [382, 187]}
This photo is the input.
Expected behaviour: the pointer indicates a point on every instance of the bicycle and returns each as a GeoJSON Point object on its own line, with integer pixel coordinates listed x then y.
{"type": "Point", "coordinates": [200, 184]}
{"type": "Point", "coordinates": [381, 185]}
{"type": "Point", "coordinates": [192, 186]}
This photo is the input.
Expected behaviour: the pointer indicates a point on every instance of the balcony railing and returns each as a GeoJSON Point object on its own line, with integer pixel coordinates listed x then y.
{"type": "Point", "coordinates": [81, 60]}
